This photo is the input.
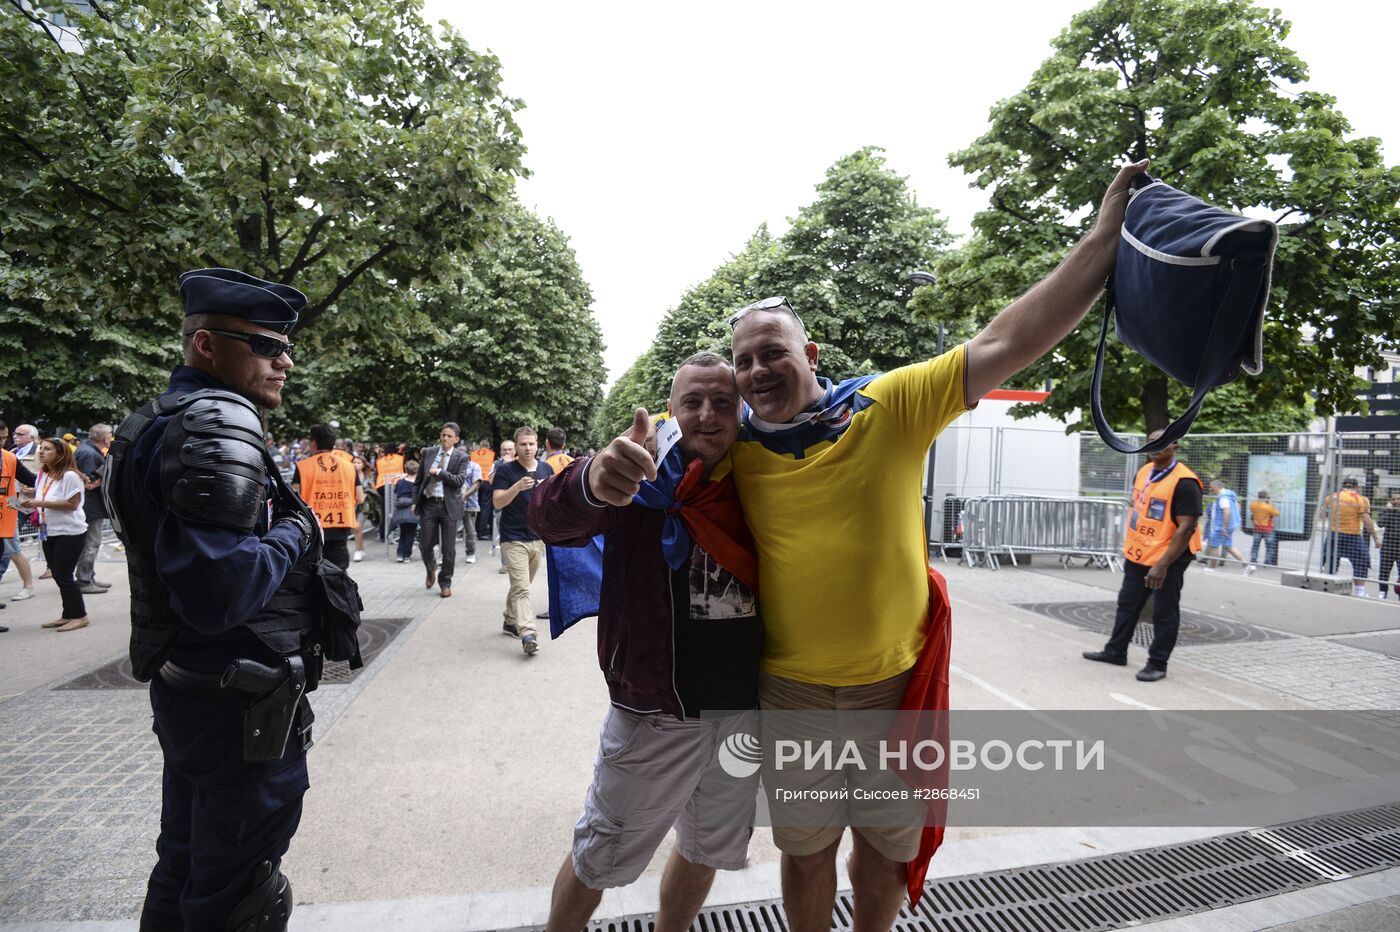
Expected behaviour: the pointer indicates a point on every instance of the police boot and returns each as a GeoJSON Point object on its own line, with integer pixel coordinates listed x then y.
{"type": "Point", "coordinates": [269, 906]}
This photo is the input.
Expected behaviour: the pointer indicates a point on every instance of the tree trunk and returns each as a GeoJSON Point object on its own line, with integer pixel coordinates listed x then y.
{"type": "Point", "coordinates": [451, 408]}
{"type": "Point", "coordinates": [1154, 404]}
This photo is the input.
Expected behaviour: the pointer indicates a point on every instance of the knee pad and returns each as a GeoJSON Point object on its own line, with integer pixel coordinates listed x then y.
{"type": "Point", "coordinates": [268, 907]}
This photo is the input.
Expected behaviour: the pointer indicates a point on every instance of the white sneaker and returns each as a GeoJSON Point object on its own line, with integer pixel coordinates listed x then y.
{"type": "Point", "coordinates": [1359, 592]}
{"type": "Point", "coordinates": [1249, 570]}
{"type": "Point", "coordinates": [1209, 569]}
{"type": "Point", "coordinates": [21, 595]}
{"type": "Point", "coordinates": [359, 555]}
{"type": "Point", "coordinates": [471, 558]}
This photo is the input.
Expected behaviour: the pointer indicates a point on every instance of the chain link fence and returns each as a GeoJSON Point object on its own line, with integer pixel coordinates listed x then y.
{"type": "Point", "coordinates": [1299, 474]}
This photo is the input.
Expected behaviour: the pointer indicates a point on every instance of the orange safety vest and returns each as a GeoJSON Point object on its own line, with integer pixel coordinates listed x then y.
{"type": "Point", "coordinates": [387, 465]}
{"type": "Point", "coordinates": [9, 517]}
{"type": "Point", "coordinates": [557, 461]}
{"type": "Point", "coordinates": [485, 457]}
{"type": "Point", "coordinates": [327, 484]}
{"type": "Point", "coordinates": [1150, 524]}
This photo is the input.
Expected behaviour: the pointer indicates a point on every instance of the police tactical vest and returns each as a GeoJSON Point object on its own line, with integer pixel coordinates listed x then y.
{"type": "Point", "coordinates": [213, 469]}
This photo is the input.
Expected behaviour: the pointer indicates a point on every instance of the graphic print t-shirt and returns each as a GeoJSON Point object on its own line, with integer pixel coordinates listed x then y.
{"type": "Point", "coordinates": [719, 638]}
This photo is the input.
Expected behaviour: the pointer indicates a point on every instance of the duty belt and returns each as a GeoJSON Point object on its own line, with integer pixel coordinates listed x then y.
{"type": "Point", "coordinates": [276, 697]}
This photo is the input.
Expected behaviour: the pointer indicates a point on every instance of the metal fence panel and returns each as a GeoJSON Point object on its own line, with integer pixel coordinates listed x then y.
{"type": "Point", "coordinates": [1300, 472]}
{"type": "Point", "coordinates": [997, 526]}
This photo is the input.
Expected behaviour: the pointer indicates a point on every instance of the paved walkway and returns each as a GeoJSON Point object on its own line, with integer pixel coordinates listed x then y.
{"type": "Point", "coordinates": [448, 774]}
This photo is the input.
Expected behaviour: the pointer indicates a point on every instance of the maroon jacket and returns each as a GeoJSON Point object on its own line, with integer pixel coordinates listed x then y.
{"type": "Point", "coordinates": [642, 597]}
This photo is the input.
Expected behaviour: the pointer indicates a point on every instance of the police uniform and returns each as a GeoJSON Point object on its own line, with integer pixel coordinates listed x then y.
{"type": "Point", "coordinates": [223, 617]}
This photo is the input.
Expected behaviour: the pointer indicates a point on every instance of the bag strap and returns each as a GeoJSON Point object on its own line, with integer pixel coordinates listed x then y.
{"type": "Point", "coordinates": [1232, 316]}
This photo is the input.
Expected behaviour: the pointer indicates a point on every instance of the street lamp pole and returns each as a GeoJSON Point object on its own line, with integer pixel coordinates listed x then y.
{"type": "Point", "coordinates": [917, 278]}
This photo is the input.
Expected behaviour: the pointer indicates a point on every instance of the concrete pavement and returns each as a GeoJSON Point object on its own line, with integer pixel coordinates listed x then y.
{"type": "Point", "coordinates": [448, 775]}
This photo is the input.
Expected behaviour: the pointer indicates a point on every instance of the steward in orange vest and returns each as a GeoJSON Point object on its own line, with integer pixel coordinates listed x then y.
{"type": "Point", "coordinates": [554, 455]}
{"type": "Point", "coordinates": [390, 464]}
{"type": "Point", "coordinates": [327, 482]}
{"type": "Point", "coordinates": [13, 474]}
{"type": "Point", "coordinates": [1151, 525]}
{"type": "Point", "coordinates": [484, 457]}
{"type": "Point", "coordinates": [1163, 537]}
{"type": "Point", "coordinates": [10, 469]}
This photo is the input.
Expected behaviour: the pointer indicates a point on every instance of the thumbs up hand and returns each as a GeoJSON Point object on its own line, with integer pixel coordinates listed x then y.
{"type": "Point", "coordinates": [616, 473]}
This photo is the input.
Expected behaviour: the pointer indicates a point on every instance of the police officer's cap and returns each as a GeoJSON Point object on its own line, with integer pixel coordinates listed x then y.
{"type": "Point", "coordinates": [238, 294]}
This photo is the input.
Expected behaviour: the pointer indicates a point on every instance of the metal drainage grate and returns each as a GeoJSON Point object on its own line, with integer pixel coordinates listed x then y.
{"type": "Point", "coordinates": [375, 635]}
{"type": "Point", "coordinates": [1196, 627]}
{"type": "Point", "coordinates": [1113, 891]}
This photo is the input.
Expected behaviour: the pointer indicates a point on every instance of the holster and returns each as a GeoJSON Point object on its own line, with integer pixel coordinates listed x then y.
{"type": "Point", "coordinates": [279, 706]}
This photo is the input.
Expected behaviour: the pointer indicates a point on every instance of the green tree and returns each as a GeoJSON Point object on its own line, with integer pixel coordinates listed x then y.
{"type": "Point", "coordinates": [1206, 89]}
{"type": "Point", "coordinates": [345, 149]}
{"type": "Point", "coordinates": [633, 389]}
{"type": "Point", "coordinates": [509, 340]}
{"type": "Point", "coordinates": [842, 263]}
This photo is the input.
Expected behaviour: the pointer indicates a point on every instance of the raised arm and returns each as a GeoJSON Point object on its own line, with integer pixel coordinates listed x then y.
{"type": "Point", "coordinates": [1034, 323]}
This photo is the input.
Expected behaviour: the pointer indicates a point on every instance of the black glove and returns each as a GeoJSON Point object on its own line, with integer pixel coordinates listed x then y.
{"type": "Point", "coordinates": [289, 513]}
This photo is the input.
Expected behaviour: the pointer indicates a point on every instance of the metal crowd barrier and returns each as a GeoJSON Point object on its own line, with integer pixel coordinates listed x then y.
{"type": "Point", "coordinates": [996, 526]}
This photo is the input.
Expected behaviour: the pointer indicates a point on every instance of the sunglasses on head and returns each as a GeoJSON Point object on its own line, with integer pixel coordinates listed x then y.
{"type": "Point", "coordinates": [260, 343]}
{"type": "Point", "coordinates": [767, 304]}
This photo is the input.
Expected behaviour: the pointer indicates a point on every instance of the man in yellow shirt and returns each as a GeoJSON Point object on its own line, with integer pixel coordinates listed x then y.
{"type": "Point", "coordinates": [843, 577]}
{"type": "Point", "coordinates": [1262, 515]}
{"type": "Point", "coordinates": [1347, 512]}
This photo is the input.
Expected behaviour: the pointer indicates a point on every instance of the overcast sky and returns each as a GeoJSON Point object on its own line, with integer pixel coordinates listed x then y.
{"type": "Point", "coordinates": [661, 135]}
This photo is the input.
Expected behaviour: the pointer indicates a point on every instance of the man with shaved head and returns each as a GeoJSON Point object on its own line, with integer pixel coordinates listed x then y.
{"type": "Point", "coordinates": [844, 578]}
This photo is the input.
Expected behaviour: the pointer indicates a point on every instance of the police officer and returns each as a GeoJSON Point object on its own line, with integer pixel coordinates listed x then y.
{"type": "Point", "coordinates": [221, 558]}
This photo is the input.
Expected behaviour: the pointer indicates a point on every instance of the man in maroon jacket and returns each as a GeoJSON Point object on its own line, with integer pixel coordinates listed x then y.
{"type": "Point", "coordinates": [675, 642]}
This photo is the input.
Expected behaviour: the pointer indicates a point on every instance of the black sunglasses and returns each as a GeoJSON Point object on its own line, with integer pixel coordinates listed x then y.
{"type": "Point", "coordinates": [260, 343]}
{"type": "Point", "coordinates": [767, 304]}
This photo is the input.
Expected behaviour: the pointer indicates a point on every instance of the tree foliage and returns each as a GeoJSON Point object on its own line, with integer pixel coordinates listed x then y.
{"type": "Point", "coordinates": [349, 149]}
{"type": "Point", "coordinates": [1206, 89]}
{"type": "Point", "coordinates": [512, 343]}
{"type": "Point", "coordinates": [842, 263]}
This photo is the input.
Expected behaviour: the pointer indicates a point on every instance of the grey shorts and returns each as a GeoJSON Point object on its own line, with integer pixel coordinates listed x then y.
{"type": "Point", "coordinates": [9, 547]}
{"type": "Point", "coordinates": [654, 772]}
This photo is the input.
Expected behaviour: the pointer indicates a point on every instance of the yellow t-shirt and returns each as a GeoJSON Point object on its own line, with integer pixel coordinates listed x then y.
{"type": "Point", "coordinates": [1263, 515]}
{"type": "Point", "coordinates": [1347, 509]}
{"type": "Point", "coordinates": [842, 552]}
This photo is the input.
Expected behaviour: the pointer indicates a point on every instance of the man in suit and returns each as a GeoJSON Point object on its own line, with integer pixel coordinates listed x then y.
{"type": "Point", "coordinates": [437, 501]}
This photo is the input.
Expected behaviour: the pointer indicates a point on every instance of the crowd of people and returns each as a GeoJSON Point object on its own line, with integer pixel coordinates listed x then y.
{"type": "Point", "coordinates": [739, 579]}
{"type": "Point", "coordinates": [51, 489]}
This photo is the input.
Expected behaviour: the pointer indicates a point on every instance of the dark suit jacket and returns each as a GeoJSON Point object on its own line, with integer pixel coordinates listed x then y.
{"type": "Point", "coordinates": [453, 476]}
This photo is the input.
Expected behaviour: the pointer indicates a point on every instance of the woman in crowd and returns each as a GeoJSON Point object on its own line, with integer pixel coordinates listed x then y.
{"type": "Point", "coordinates": [404, 519]}
{"type": "Point", "coordinates": [62, 527]}
{"type": "Point", "coordinates": [366, 484]}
